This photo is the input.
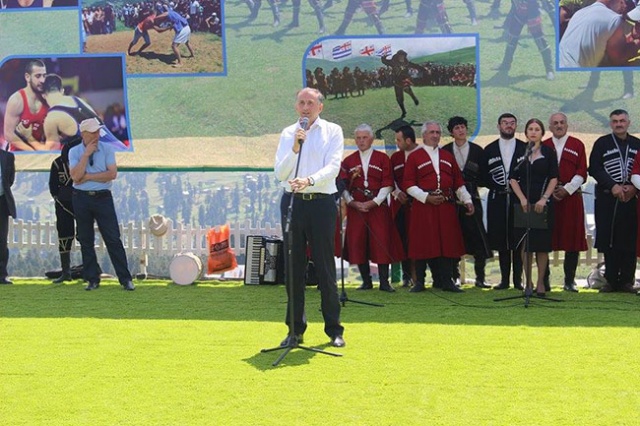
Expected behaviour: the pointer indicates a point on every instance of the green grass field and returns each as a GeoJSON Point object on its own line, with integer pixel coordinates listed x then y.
{"type": "Point", "coordinates": [171, 355]}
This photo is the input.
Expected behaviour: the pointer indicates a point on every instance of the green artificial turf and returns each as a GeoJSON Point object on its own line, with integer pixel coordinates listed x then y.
{"type": "Point", "coordinates": [172, 355]}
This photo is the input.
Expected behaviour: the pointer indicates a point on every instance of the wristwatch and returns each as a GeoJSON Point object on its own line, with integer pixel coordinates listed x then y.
{"type": "Point", "coordinates": [311, 181]}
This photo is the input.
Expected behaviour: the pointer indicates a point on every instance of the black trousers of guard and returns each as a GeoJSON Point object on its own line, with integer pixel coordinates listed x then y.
{"type": "Point", "coordinates": [313, 222]}
{"type": "Point", "coordinates": [65, 225]}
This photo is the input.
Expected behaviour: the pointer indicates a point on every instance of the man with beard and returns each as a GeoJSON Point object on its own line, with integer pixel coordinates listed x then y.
{"type": "Point", "coordinates": [568, 228]}
{"type": "Point", "coordinates": [469, 158]}
{"type": "Point", "coordinates": [610, 164]}
{"type": "Point", "coordinates": [502, 157]}
{"type": "Point", "coordinates": [26, 110]}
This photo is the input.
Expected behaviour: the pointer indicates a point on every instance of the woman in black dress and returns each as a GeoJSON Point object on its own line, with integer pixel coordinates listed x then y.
{"type": "Point", "coordinates": [533, 183]}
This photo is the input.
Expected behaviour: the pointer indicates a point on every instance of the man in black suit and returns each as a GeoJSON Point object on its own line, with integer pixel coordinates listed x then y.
{"type": "Point", "coordinates": [501, 159]}
{"type": "Point", "coordinates": [7, 208]}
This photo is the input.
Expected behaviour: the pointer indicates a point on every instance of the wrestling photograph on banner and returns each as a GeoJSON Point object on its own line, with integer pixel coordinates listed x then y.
{"type": "Point", "coordinates": [181, 37]}
{"type": "Point", "coordinates": [43, 101]}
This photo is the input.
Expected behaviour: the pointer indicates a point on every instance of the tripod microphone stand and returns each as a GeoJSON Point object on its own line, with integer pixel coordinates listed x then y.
{"type": "Point", "coordinates": [343, 293]}
{"type": "Point", "coordinates": [526, 266]}
{"type": "Point", "coordinates": [292, 341]}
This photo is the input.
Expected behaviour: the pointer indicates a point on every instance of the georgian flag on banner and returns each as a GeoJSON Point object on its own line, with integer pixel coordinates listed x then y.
{"type": "Point", "coordinates": [384, 51]}
{"type": "Point", "coordinates": [315, 51]}
{"type": "Point", "coordinates": [341, 51]}
{"type": "Point", "coordinates": [367, 50]}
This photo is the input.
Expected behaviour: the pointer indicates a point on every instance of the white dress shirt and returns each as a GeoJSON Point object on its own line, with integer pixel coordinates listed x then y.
{"type": "Point", "coordinates": [507, 148]}
{"type": "Point", "coordinates": [320, 156]}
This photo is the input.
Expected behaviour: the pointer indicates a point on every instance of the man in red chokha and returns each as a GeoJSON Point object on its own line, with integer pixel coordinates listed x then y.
{"type": "Point", "coordinates": [370, 234]}
{"type": "Point", "coordinates": [400, 201]}
{"type": "Point", "coordinates": [568, 229]}
{"type": "Point", "coordinates": [432, 177]}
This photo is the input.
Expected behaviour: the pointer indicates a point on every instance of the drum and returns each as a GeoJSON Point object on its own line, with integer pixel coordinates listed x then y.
{"type": "Point", "coordinates": [185, 268]}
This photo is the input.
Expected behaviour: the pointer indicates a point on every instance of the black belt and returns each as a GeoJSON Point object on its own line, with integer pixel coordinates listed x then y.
{"type": "Point", "coordinates": [100, 193]}
{"type": "Point", "coordinates": [501, 191]}
{"type": "Point", "coordinates": [309, 196]}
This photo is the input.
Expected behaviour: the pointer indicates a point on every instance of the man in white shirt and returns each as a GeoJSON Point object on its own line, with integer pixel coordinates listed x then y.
{"type": "Point", "coordinates": [307, 165]}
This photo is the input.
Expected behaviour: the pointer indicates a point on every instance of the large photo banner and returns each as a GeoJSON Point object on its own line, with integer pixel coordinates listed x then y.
{"type": "Point", "coordinates": [209, 84]}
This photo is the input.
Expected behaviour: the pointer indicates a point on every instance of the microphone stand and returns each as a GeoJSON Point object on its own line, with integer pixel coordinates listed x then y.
{"type": "Point", "coordinates": [528, 287]}
{"type": "Point", "coordinates": [292, 341]}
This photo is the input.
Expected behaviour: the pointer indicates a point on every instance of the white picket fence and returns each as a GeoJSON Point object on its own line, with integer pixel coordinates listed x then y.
{"type": "Point", "coordinates": [138, 239]}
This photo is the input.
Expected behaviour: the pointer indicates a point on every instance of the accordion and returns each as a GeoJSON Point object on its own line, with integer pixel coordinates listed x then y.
{"type": "Point", "coordinates": [264, 260]}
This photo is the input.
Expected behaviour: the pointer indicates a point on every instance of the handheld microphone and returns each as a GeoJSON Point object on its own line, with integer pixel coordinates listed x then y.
{"type": "Point", "coordinates": [304, 123]}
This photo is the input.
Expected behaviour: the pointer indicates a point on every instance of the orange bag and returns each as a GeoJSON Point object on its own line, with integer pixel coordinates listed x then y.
{"type": "Point", "coordinates": [221, 256]}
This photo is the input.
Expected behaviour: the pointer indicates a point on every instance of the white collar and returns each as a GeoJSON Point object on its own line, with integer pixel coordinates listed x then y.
{"type": "Point", "coordinates": [560, 141]}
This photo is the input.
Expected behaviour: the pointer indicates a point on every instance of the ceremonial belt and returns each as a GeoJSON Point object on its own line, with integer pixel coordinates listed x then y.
{"type": "Point", "coordinates": [448, 194]}
{"type": "Point", "coordinates": [369, 194]}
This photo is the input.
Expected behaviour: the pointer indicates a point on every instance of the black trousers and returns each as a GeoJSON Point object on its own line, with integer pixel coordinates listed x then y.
{"type": "Point", "coordinates": [4, 235]}
{"type": "Point", "coordinates": [65, 225]}
{"type": "Point", "coordinates": [620, 268]}
{"type": "Point", "coordinates": [313, 222]}
{"type": "Point", "coordinates": [99, 208]}
{"type": "Point", "coordinates": [508, 258]}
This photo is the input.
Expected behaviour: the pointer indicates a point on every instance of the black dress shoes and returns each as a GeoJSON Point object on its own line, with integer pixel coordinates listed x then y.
{"type": "Point", "coordinates": [570, 287]}
{"type": "Point", "coordinates": [387, 287]}
{"type": "Point", "coordinates": [365, 286]}
{"type": "Point", "coordinates": [417, 288]}
{"type": "Point", "coordinates": [128, 286]}
{"type": "Point", "coordinates": [6, 281]}
{"type": "Point", "coordinates": [338, 341]}
{"type": "Point", "coordinates": [453, 289]}
{"type": "Point", "coordinates": [92, 286]}
{"type": "Point", "coordinates": [482, 284]}
{"type": "Point", "coordinates": [518, 287]}
{"type": "Point", "coordinates": [293, 341]}
{"type": "Point", "coordinates": [501, 286]}
{"type": "Point", "coordinates": [628, 289]}
{"type": "Point", "coordinates": [62, 278]}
